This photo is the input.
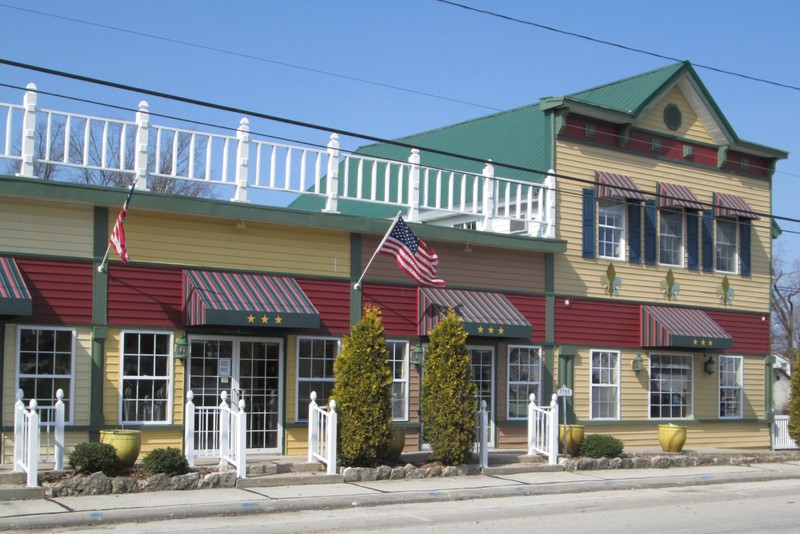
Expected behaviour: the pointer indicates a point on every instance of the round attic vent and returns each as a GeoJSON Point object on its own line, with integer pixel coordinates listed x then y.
{"type": "Point", "coordinates": [672, 117]}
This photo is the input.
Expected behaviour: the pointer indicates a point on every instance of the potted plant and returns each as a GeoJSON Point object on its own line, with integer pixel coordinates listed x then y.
{"type": "Point", "coordinates": [127, 443]}
{"type": "Point", "coordinates": [671, 437]}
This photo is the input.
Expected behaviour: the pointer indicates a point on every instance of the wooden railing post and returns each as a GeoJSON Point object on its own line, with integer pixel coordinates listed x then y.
{"type": "Point", "coordinates": [332, 198]}
{"type": "Point", "coordinates": [27, 149]}
{"type": "Point", "coordinates": [413, 186]}
{"type": "Point", "coordinates": [242, 155]}
{"type": "Point", "coordinates": [33, 445]}
{"type": "Point", "coordinates": [332, 436]}
{"type": "Point", "coordinates": [188, 429]}
{"type": "Point", "coordinates": [483, 428]}
{"type": "Point", "coordinates": [532, 425]}
{"type": "Point", "coordinates": [19, 432]}
{"type": "Point", "coordinates": [241, 441]}
{"type": "Point", "coordinates": [142, 139]}
{"type": "Point", "coordinates": [488, 196]}
{"type": "Point", "coordinates": [312, 427]}
{"type": "Point", "coordinates": [552, 429]}
{"type": "Point", "coordinates": [59, 430]}
{"type": "Point", "coordinates": [224, 428]}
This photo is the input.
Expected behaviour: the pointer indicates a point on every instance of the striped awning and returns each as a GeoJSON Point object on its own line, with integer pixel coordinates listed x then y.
{"type": "Point", "coordinates": [677, 196]}
{"type": "Point", "coordinates": [610, 185]}
{"type": "Point", "coordinates": [726, 205]}
{"type": "Point", "coordinates": [686, 328]}
{"type": "Point", "coordinates": [484, 314]}
{"type": "Point", "coordinates": [241, 299]}
{"type": "Point", "coordinates": [15, 299]}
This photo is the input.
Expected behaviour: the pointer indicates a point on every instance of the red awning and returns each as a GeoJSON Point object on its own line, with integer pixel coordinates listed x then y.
{"type": "Point", "coordinates": [727, 205]}
{"type": "Point", "coordinates": [483, 313]}
{"type": "Point", "coordinates": [688, 328]}
{"type": "Point", "coordinates": [610, 185]}
{"type": "Point", "coordinates": [677, 196]}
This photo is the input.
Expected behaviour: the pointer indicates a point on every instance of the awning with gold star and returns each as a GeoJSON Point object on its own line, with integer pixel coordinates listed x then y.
{"type": "Point", "coordinates": [245, 299]}
{"type": "Point", "coordinates": [484, 314]}
{"type": "Point", "coordinates": [687, 328]}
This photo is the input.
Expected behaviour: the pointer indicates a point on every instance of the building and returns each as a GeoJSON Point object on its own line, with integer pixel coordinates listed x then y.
{"type": "Point", "coordinates": [637, 272]}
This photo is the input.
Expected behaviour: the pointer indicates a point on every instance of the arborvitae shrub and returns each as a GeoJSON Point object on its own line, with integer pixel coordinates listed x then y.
{"type": "Point", "coordinates": [600, 446]}
{"type": "Point", "coordinates": [794, 402]}
{"type": "Point", "coordinates": [170, 461]}
{"type": "Point", "coordinates": [93, 457]}
{"type": "Point", "coordinates": [362, 392]}
{"type": "Point", "coordinates": [448, 393]}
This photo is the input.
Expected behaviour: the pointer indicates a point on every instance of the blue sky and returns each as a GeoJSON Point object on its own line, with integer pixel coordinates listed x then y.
{"type": "Point", "coordinates": [272, 56]}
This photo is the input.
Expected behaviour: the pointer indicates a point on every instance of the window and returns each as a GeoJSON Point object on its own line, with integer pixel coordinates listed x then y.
{"type": "Point", "coordinates": [611, 229]}
{"type": "Point", "coordinates": [605, 384]}
{"type": "Point", "coordinates": [315, 357]}
{"type": "Point", "coordinates": [398, 362]}
{"type": "Point", "coordinates": [146, 377]}
{"type": "Point", "coordinates": [46, 359]}
{"type": "Point", "coordinates": [670, 238]}
{"type": "Point", "coordinates": [524, 378]}
{"type": "Point", "coordinates": [731, 386]}
{"type": "Point", "coordinates": [726, 246]}
{"type": "Point", "coordinates": [670, 386]}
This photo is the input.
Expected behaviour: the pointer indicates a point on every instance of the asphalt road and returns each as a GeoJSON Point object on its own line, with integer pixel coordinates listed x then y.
{"type": "Point", "coordinates": [769, 506]}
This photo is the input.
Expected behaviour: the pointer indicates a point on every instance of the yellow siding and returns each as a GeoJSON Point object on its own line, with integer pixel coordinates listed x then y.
{"type": "Point", "coordinates": [30, 227]}
{"type": "Point", "coordinates": [218, 243]}
{"type": "Point", "coordinates": [691, 127]}
{"type": "Point", "coordinates": [291, 379]}
{"type": "Point", "coordinates": [297, 441]}
{"type": "Point", "coordinates": [71, 439]}
{"type": "Point", "coordinates": [580, 276]}
{"type": "Point", "coordinates": [722, 435]}
{"type": "Point", "coordinates": [9, 375]}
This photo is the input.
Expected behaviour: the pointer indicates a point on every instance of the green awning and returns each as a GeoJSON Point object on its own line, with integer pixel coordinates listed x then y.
{"type": "Point", "coordinates": [15, 299]}
{"type": "Point", "coordinates": [242, 299]}
{"type": "Point", "coordinates": [484, 314]}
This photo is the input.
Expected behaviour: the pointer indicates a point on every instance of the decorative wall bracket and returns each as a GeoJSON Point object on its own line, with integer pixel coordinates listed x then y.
{"type": "Point", "coordinates": [670, 287]}
{"type": "Point", "coordinates": [725, 292]}
{"type": "Point", "coordinates": [610, 281]}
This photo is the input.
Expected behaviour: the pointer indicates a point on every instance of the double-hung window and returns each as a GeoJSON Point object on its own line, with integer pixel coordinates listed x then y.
{"type": "Point", "coordinates": [731, 387]}
{"type": "Point", "coordinates": [398, 363]}
{"type": "Point", "coordinates": [727, 245]}
{"type": "Point", "coordinates": [670, 386]}
{"type": "Point", "coordinates": [315, 357]}
{"type": "Point", "coordinates": [611, 228]}
{"type": "Point", "coordinates": [670, 238]}
{"type": "Point", "coordinates": [524, 378]}
{"type": "Point", "coordinates": [146, 377]}
{"type": "Point", "coordinates": [605, 384]}
{"type": "Point", "coordinates": [46, 363]}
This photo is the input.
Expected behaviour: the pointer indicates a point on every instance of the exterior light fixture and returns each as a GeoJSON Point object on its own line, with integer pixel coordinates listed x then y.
{"type": "Point", "coordinates": [637, 364]}
{"type": "Point", "coordinates": [418, 356]}
{"type": "Point", "coordinates": [181, 348]}
{"type": "Point", "coordinates": [708, 366]}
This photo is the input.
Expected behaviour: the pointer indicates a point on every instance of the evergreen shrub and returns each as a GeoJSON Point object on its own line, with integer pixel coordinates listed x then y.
{"type": "Point", "coordinates": [93, 457]}
{"type": "Point", "coordinates": [600, 446]}
{"type": "Point", "coordinates": [448, 393]}
{"type": "Point", "coordinates": [170, 461]}
{"type": "Point", "coordinates": [794, 402]}
{"type": "Point", "coordinates": [362, 392]}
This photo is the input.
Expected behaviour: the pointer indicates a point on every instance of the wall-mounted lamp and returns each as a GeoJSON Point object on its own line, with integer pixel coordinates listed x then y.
{"type": "Point", "coordinates": [637, 364]}
{"type": "Point", "coordinates": [708, 366]}
{"type": "Point", "coordinates": [567, 303]}
{"type": "Point", "coordinates": [418, 356]}
{"type": "Point", "coordinates": [181, 348]}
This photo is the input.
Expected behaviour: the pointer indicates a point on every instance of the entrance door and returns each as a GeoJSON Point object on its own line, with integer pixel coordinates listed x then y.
{"type": "Point", "coordinates": [246, 368]}
{"type": "Point", "coordinates": [483, 377]}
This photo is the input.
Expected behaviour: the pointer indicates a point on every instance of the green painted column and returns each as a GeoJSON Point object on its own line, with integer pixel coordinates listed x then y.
{"type": "Point", "coordinates": [355, 273]}
{"type": "Point", "coordinates": [549, 386]}
{"type": "Point", "coordinates": [99, 322]}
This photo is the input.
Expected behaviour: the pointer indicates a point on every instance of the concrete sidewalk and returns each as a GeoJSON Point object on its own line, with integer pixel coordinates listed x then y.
{"type": "Point", "coordinates": [117, 508]}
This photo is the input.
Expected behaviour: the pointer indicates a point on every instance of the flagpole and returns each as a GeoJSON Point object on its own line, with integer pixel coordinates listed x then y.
{"type": "Point", "coordinates": [357, 285]}
{"type": "Point", "coordinates": [102, 266]}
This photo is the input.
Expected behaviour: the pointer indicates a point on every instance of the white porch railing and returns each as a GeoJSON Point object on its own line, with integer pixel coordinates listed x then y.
{"type": "Point", "coordinates": [483, 436]}
{"type": "Point", "coordinates": [780, 434]}
{"type": "Point", "coordinates": [322, 434]}
{"type": "Point", "coordinates": [216, 431]}
{"type": "Point", "coordinates": [27, 436]}
{"type": "Point", "coordinates": [48, 144]}
{"type": "Point", "coordinates": [543, 429]}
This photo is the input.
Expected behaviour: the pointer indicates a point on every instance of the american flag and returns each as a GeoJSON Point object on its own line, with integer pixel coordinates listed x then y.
{"type": "Point", "coordinates": [412, 254]}
{"type": "Point", "coordinates": [117, 238]}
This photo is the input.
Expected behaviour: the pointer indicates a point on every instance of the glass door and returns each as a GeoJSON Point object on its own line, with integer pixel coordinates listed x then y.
{"type": "Point", "coordinates": [483, 376]}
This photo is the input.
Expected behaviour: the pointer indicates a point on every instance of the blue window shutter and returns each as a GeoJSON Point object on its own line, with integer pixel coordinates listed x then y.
{"type": "Point", "coordinates": [635, 232]}
{"type": "Point", "coordinates": [744, 228]}
{"type": "Point", "coordinates": [588, 223]}
{"type": "Point", "coordinates": [692, 240]}
{"type": "Point", "coordinates": [708, 241]}
{"type": "Point", "coordinates": [650, 232]}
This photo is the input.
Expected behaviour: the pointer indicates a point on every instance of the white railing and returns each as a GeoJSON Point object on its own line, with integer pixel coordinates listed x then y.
{"type": "Point", "coordinates": [322, 434]}
{"type": "Point", "coordinates": [233, 435]}
{"type": "Point", "coordinates": [216, 431]}
{"type": "Point", "coordinates": [43, 143]}
{"type": "Point", "coordinates": [780, 434]}
{"type": "Point", "coordinates": [27, 436]}
{"type": "Point", "coordinates": [543, 429]}
{"type": "Point", "coordinates": [483, 436]}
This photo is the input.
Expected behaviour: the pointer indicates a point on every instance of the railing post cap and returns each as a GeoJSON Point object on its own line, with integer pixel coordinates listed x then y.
{"type": "Point", "coordinates": [333, 405]}
{"type": "Point", "coordinates": [143, 105]}
{"type": "Point", "coordinates": [223, 395]}
{"type": "Point", "coordinates": [314, 396]}
{"type": "Point", "coordinates": [60, 394]}
{"type": "Point", "coordinates": [532, 397]}
{"type": "Point", "coordinates": [33, 404]}
{"type": "Point", "coordinates": [244, 123]}
{"type": "Point", "coordinates": [483, 405]}
{"type": "Point", "coordinates": [20, 394]}
{"type": "Point", "coordinates": [241, 404]}
{"type": "Point", "coordinates": [190, 394]}
{"type": "Point", "coordinates": [31, 86]}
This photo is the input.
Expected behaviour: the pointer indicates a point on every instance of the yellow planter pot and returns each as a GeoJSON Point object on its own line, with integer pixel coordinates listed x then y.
{"type": "Point", "coordinates": [671, 437]}
{"type": "Point", "coordinates": [574, 438]}
{"type": "Point", "coordinates": [127, 443]}
{"type": "Point", "coordinates": [397, 444]}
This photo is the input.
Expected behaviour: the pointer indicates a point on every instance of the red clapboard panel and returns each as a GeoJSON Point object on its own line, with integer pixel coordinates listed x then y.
{"type": "Point", "coordinates": [398, 305]}
{"type": "Point", "coordinates": [331, 298]}
{"type": "Point", "coordinates": [61, 290]}
{"type": "Point", "coordinates": [148, 296]}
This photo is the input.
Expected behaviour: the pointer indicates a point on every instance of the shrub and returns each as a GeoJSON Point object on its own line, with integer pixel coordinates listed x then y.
{"type": "Point", "coordinates": [448, 393]}
{"type": "Point", "coordinates": [94, 457]}
{"type": "Point", "coordinates": [362, 392]}
{"type": "Point", "coordinates": [794, 402]}
{"type": "Point", "coordinates": [600, 446]}
{"type": "Point", "coordinates": [170, 461]}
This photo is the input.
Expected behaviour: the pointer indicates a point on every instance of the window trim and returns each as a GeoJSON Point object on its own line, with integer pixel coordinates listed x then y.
{"type": "Point", "coordinates": [682, 249]}
{"type": "Point", "coordinates": [406, 372]}
{"type": "Point", "coordinates": [538, 350]}
{"type": "Point", "coordinates": [690, 405]}
{"type": "Point", "coordinates": [740, 387]}
{"type": "Point", "coordinates": [616, 385]}
{"type": "Point", "coordinates": [302, 415]}
{"type": "Point", "coordinates": [608, 203]}
{"type": "Point", "coordinates": [170, 377]}
{"type": "Point", "coordinates": [69, 415]}
{"type": "Point", "coordinates": [736, 244]}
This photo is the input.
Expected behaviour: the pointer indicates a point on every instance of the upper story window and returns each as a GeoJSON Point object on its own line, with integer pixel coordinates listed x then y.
{"type": "Point", "coordinates": [46, 363]}
{"type": "Point", "coordinates": [670, 238]}
{"type": "Point", "coordinates": [727, 235]}
{"type": "Point", "coordinates": [726, 246]}
{"type": "Point", "coordinates": [611, 229]}
{"type": "Point", "coordinates": [146, 377]}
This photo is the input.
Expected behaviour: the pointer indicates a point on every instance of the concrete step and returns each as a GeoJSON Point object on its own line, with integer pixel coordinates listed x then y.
{"type": "Point", "coordinates": [20, 492]}
{"type": "Point", "coordinates": [288, 479]}
{"type": "Point", "coordinates": [514, 469]}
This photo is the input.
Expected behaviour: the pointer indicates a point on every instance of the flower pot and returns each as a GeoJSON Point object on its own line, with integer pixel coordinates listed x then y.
{"type": "Point", "coordinates": [127, 443]}
{"type": "Point", "coordinates": [671, 437]}
{"type": "Point", "coordinates": [397, 444]}
{"type": "Point", "coordinates": [574, 438]}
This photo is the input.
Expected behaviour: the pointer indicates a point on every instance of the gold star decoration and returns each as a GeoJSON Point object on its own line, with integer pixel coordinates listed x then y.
{"type": "Point", "coordinates": [278, 320]}
{"type": "Point", "coordinates": [264, 319]}
{"type": "Point", "coordinates": [491, 330]}
{"type": "Point", "coordinates": [694, 342]}
{"type": "Point", "coordinates": [710, 342]}
{"type": "Point", "coordinates": [703, 342]}
{"type": "Point", "coordinates": [251, 318]}
{"type": "Point", "coordinates": [480, 330]}
{"type": "Point", "coordinates": [501, 330]}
